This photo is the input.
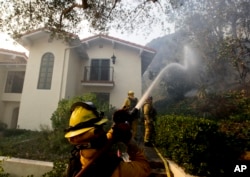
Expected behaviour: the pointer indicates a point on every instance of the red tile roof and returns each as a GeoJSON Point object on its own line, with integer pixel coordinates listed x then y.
{"type": "Point", "coordinates": [12, 52]}
{"type": "Point", "coordinates": [118, 40]}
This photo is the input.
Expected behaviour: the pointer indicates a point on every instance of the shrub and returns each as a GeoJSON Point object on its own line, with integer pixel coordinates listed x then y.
{"type": "Point", "coordinates": [196, 144]}
{"type": "Point", "coordinates": [2, 173]}
{"type": "Point", "coordinates": [15, 132]}
{"type": "Point", "coordinates": [3, 126]}
{"type": "Point", "coordinates": [58, 170]}
{"type": "Point", "coordinates": [60, 121]}
{"type": "Point", "coordinates": [60, 118]}
{"type": "Point", "coordinates": [237, 133]}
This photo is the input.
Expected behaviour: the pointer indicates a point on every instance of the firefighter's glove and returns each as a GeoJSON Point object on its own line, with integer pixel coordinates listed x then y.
{"type": "Point", "coordinates": [124, 156]}
{"type": "Point", "coordinates": [121, 151]}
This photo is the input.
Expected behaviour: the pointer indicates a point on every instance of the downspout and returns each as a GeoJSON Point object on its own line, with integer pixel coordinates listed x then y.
{"type": "Point", "coordinates": [63, 68]}
{"type": "Point", "coordinates": [13, 64]}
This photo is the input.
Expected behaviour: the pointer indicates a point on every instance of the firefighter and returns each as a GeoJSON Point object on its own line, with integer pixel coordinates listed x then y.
{"type": "Point", "coordinates": [103, 154]}
{"type": "Point", "coordinates": [129, 104]}
{"type": "Point", "coordinates": [149, 115]}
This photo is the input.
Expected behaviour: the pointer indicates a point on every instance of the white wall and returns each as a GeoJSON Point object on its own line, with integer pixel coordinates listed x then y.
{"type": "Point", "coordinates": [8, 113]}
{"type": "Point", "coordinates": [9, 101]}
{"type": "Point", "coordinates": [23, 167]}
{"type": "Point", "coordinates": [2, 79]}
{"type": "Point", "coordinates": [73, 73]}
{"type": "Point", "coordinates": [127, 75]}
{"type": "Point", "coordinates": [127, 72]}
{"type": "Point", "coordinates": [37, 105]}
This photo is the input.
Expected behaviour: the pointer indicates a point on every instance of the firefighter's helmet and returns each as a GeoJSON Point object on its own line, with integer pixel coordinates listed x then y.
{"type": "Point", "coordinates": [149, 99]}
{"type": "Point", "coordinates": [84, 117]}
{"type": "Point", "coordinates": [130, 92]}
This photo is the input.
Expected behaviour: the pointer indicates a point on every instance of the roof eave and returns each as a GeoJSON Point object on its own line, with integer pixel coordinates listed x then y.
{"type": "Point", "coordinates": [119, 41]}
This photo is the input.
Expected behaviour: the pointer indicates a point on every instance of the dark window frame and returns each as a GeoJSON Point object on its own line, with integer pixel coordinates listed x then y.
{"type": "Point", "coordinates": [14, 82]}
{"type": "Point", "coordinates": [100, 70]}
{"type": "Point", "coordinates": [46, 71]}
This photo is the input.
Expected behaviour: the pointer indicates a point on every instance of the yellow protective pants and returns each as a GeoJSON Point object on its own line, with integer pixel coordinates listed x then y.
{"type": "Point", "coordinates": [149, 128]}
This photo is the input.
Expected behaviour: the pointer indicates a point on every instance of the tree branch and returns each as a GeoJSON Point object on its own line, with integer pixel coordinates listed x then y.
{"type": "Point", "coordinates": [84, 5]}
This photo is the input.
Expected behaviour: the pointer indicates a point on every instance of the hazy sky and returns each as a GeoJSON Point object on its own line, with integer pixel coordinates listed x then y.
{"type": "Point", "coordinates": [141, 39]}
{"type": "Point", "coordinates": [8, 43]}
{"type": "Point", "coordinates": [136, 37]}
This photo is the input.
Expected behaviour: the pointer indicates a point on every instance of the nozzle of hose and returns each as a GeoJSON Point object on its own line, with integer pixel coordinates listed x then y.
{"type": "Point", "coordinates": [134, 113]}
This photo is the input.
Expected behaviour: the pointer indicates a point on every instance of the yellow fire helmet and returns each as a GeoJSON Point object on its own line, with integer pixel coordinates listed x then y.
{"type": "Point", "coordinates": [130, 92]}
{"type": "Point", "coordinates": [84, 117]}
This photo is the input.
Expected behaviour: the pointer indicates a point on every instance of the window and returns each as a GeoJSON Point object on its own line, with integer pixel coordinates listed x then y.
{"type": "Point", "coordinates": [46, 71]}
{"type": "Point", "coordinates": [14, 82]}
{"type": "Point", "coordinates": [100, 69]}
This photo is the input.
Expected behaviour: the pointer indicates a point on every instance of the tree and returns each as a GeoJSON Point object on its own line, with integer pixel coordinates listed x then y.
{"type": "Point", "coordinates": [74, 16]}
{"type": "Point", "coordinates": [209, 24]}
{"type": "Point", "coordinates": [206, 25]}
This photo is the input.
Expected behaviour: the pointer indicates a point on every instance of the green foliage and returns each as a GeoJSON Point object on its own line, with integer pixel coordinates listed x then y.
{"type": "Point", "coordinates": [235, 51]}
{"type": "Point", "coordinates": [28, 144]}
{"type": "Point", "coordinates": [58, 169]}
{"type": "Point", "coordinates": [228, 105]}
{"type": "Point", "coordinates": [2, 173]}
{"type": "Point", "coordinates": [198, 145]}
{"type": "Point", "coordinates": [60, 118]}
{"type": "Point", "coordinates": [60, 121]}
{"type": "Point", "coordinates": [3, 126]}
{"type": "Point", "coordinates": [170, 106]}
{"type": "Point", "coordinates": [232, 104]}
{"type": "Point", "coordinates": [237, 133]}
{"type": "Point", "coordinates": [16, 132]}
{"type": "Point", "coordinates": [46, 144]}
{"type": "Point", "coordinates": [60, 16]}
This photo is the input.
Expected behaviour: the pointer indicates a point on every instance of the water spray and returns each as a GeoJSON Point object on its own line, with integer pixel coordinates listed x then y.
{"type": "Point", "coordinates": [134, 112]}
{"type": "Point", "coordinates": [150, 88]}
{"type": "Point", "coordinates": [188, 62]}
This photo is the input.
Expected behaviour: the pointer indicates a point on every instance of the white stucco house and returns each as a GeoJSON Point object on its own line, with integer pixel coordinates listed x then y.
{"type": "Point", "coordinates": [58, 70]}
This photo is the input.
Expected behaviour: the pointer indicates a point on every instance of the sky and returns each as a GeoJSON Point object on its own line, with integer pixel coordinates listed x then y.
{"type": "Point", "coordinates": [135, 37]}
{"type": "Point", "coordinates": [138, 36]}
{"type": "Point", "coordinates": [8, 43]}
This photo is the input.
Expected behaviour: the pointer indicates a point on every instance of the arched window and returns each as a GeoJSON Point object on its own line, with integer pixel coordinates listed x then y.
{"type": "Point", "coordinates": [46, 71]}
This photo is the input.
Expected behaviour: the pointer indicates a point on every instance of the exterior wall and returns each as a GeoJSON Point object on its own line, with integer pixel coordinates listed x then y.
{"type": "Point", "coordinates": [9, 101]}
{"type": "Point", "coordinates": [127, 72]}
{"type": "Point", "coordinates": [2, 79]}
{"type": "Point", "coordinates": [73, 73]}
{"type": "Point", "coordinates": [8, 114]}
{"type": "Point", "coordinates": [3, 73]}
{"type": "Point", "coordinates": [23, 167]}
{"type": "Point", "coordinates": [37, 105]}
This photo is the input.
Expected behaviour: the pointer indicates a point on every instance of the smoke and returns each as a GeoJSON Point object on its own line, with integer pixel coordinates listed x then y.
{"type": "Point", "coordinates": [174, 71]}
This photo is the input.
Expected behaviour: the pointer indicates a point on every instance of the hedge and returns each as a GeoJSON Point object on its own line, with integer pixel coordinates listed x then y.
{"type": "Point", "coordinates": [198, 145]}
